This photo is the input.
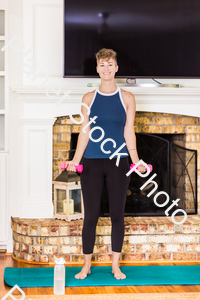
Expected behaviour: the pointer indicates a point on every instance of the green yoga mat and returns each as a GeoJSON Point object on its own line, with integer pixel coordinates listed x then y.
{"type": "Point", "coordinates": [102, 276]}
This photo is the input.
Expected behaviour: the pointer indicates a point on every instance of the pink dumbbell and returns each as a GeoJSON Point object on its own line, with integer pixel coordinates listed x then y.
{"type": "Point", "coordinates": [150, 167]}
{"type": "Point", "coordinates": [79, 168]}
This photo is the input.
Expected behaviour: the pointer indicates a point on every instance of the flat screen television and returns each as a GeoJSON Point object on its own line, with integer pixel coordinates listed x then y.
{"type": "Point", "coordinates": [152, 38]}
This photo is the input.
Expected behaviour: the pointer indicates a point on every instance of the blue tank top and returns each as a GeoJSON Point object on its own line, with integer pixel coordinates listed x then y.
{"type": "Point", "coordinates": [111, 117]}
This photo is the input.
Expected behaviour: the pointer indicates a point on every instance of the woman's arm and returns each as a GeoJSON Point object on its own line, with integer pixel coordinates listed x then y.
{"type": "Point", "coordinates": [129, 133]}
{"type": "Point", "coordinates": [83, 138]}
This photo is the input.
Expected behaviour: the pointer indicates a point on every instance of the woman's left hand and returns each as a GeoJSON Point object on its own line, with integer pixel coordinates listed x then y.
{"type": "Point", "coordinates": [141, 168]}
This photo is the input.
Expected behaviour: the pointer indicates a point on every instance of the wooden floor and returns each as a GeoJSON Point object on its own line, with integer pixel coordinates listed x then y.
{"type": "Point", "coordinates": [7, 261]}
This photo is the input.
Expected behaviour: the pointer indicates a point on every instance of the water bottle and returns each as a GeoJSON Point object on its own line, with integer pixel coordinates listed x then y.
{"type": "Point", "coordinates": [59, 276]}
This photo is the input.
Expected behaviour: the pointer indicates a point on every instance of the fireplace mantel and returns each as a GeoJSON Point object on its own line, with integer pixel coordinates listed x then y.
{"type": "Point", "coordinates": [183, 100]}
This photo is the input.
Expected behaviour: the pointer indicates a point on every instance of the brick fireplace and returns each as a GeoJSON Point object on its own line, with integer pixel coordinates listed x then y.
{"type": "Point", "coordinates": [146, 238]}
{"type": "Point", "coordinates": [182, 130]}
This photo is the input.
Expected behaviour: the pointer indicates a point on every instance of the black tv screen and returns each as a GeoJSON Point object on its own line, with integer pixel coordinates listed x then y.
{"type": "Point", "coordinates": [152, 38]}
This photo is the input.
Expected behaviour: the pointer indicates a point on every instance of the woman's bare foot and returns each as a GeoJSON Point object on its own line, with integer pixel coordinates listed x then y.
{"type": "Point", "coordinates": [84, 272]}
{"type": "Point", "coordinates": [118, 274]}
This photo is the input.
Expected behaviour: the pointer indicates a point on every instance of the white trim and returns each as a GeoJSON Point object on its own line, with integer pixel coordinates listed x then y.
{"type": "Point", "coordinates": [122, 101]}
{"type": "Point", "coordinates": [108, 94]}
{"type": "Point", "coordinates": [93, 98]}
{"type": "Point", "coordinates": [36, 210]}
{"type": "Point", "coordinates": [3, 197]}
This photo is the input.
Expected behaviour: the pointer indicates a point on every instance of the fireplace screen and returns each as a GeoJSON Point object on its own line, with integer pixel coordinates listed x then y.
{"type": "Point", "coordinates": [176, 169]}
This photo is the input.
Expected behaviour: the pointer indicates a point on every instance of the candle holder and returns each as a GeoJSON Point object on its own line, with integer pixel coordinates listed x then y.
{"type": "Point", "coordinates": [68, 199]}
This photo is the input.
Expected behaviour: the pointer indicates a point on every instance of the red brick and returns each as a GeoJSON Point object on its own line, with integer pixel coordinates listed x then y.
{"type": "Point", "coordinates": [104, 257]}
{"type": "Point", "coordinates": [163, 120]}
{"type": "Point", "coordinates": [44, 230]}
{"type": "Point", "coordinates": [107, 229]}
{"type": "Point", "coordinates": [80, 226]}
{"type": "Point", "coordinates": [66, 257]}
{"type": "Point", "coordinates": [192, 247]}
{"type": "Point", "coordinates": [159, 256]}
{"type": "Point", "coordinates": [160, 225]}
{"type": "Point", "coordinates": [25, 229]}
{"type": "Point", "coordinates": [184, 256]}
{"type": "Point", "coordinates": [50, 250]}
{"type": "Point", "coordinates": [127, 228]}
{"type": "Point", "coordinates": [185, 120]}
{"type": "Point", "coordinates": [128, 248]}
{"type": "Point", "coordinates": [133, 256]}
{"type": "Point", "coordinates": [136, 239]}
{"type": "Point", "coordinates": [81, 258]}
{"type": "Point", "coordinates": [140, 220]}
{"type": "Point", "coordinates": [144, 229]}
{"type": "Point", "coordinates": [135, 229]}
{"type": "Point", "coordinates": [107, 221]}
{"type": "Point", "coordinates": [174, 129]}
{"type": "Point", "coordinates": [33, 230]}
{"type": "Point", "coordinates": [43, 258]}
{"type": "Point", "coordinates": [100, 222]}
{"type": "Point", "coordinates": [100, 249]}
{"type": "Point", "coordinates": [20, 255]}
{"type": "Point", "coordinates": [28, 240]}
{"type": "Point", "coordinates": [143, 120]}
{"type": "Point", "coordinates": [186, 227]}
{"type": "Point", "coordinates": [100, 230]}
{"type": "Point", "coordinates": [24, 248]}
{"type": "Point", "coordinates": [147, 248]}
{"type": "Point", "coordinates": [17, 246]}
{"type": "Point", "coordinates": [40, 241]}
{"type": "Point", "coordinates": [36, 250]}
{"type": "Point", "coordinates": [185, 238]}
{"type": "Point", "coordinates": [152, 229]}
{"type": "Point", "coordinates": [131, 220]}
{"type": "Point", "coordinates": [73, 228]}
{"type": "Point", "coordinates": [70, 249]}
{"type": "Point", "coordinates": [53, 223]}
{"type": "Point", "coordinates": [65, 240]}
{"type": "Point", "coordinates": [195, 228]}
{"type": "Point", "coordinates": [19, 228]}
{"type": "Point", "coordinates": [172, 247]}
{"type": "Point", "coordinates": [64, 230]}
{"type": "Point", "coordinates": [193, 129]}
{"type": "Point", "coordinates": [54, 231]}
{"type": "Point", "coordinates": [178, 229]}
{"type": "Point", "coordinates": [160, 239]}
{"type": "Point", "coordinates": [151, 129]}
{"type": "Point", "coordinates": [30, 257]}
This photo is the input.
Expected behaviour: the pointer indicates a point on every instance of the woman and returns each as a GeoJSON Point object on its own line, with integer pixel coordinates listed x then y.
{"type": "Point", "coordinates": [115, 111]}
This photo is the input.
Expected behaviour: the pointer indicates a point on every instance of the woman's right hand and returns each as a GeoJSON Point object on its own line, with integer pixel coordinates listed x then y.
{"type": "Point", "coordinates": [71, 165]}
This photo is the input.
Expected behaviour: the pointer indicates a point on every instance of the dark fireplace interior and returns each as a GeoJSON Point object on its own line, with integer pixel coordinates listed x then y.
{"type": "Point", "coordinates": [176, 169]}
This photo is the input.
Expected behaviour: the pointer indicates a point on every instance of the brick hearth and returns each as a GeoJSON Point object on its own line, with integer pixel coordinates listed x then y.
{"type": "Point", "coordinates": [146, 238]}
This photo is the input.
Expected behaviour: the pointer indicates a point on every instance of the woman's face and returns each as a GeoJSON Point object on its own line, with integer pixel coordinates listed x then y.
{"type": "Point", "coordinates": [107, 68]}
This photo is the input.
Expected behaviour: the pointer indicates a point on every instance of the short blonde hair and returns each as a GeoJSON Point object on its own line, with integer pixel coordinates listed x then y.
{"type": "Point", "coordinates": [106, 54]}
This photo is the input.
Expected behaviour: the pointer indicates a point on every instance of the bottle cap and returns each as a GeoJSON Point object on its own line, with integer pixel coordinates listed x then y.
{"type": "Point", "coordinates": [59, 261]}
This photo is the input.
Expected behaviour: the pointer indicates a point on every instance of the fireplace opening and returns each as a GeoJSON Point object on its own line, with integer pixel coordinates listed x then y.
{"type": "Point", "coordinates": [176, 169]}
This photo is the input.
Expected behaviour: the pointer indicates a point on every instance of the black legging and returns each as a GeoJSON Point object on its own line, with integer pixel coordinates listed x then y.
{"type": "Point", "coordinates": [92, 182]}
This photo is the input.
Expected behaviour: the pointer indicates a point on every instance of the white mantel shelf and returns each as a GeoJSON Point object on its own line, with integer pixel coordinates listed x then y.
{"type": "Point", "coordinates": [79, 90]}
{"type": "Point", "coordinates": [182, 100]}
